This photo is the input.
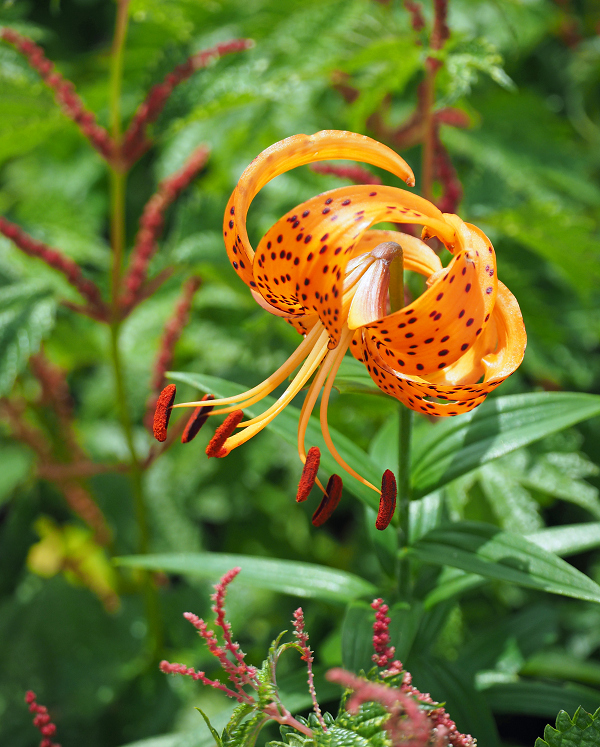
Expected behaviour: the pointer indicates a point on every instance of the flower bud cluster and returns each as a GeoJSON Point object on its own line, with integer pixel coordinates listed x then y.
{"type": "Point", "coordinates": [152, 222]}
{"type": "Point", "coordinates": [135, 141]}
{"type": "Point", "coordinates": [41, 720]}
{"type": "Point", "coordinates": [64, 91]}
{"type": "Point", "coordinates": [55, 259]}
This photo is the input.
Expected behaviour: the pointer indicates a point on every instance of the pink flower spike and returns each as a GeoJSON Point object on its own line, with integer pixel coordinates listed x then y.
{"type": "Point", "coordinates": [64, 92]}
{"type": "Point", "coordinates": [151, 225]}
{"type": "Point", "coordinates": [174, 668]}
{"type": "Point", "coordinates": [58, 261]}
{"type": "Point", "coordinates": [381, 634]}
{"type": "Point", "coordinates": [136, 141]}
{"type": "Point", "coordinates": [307, 656]}
{"type": "Point", "coordinates": [172, 333]}
{"type": "Point", "coordinates": [41, 720]}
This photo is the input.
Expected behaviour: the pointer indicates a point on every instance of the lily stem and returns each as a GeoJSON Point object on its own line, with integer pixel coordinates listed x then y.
{"type": "Point", "coordinates": [404, 496]}
{"type": "Point", "coordinates": [117, 242]}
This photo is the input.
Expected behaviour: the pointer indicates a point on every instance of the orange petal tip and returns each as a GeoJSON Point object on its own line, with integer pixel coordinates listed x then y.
{"type": "Point", "coordinates": [162, 413]}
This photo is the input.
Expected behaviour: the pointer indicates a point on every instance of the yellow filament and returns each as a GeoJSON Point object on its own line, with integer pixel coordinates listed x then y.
{"type": "Point", "coordinates": [339, 355]}
{"type": "Point", "coordinates": [269, 384]}
{"type": "Point", "coordinates": [252, 427]}
{"type": "Point", "coordinates": [306, 371]}
{"type": "Point", "coordinates": [307, 408]}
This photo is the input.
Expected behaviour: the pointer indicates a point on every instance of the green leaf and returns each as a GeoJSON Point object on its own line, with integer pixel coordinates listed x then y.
{"type": "Point", "coordinates": [568, 540]}
{"type": "Point", "coordinates": [285, 425]}
{"type": "Point", "coordinates": [500, 425]}
{"type": "Point", "coordinates": [562, 541]}
{"type": "Point", "coordinates": [487, 551]}
{"type": "Point", "coordinates": [26, 317]}
{"type": "Point", "coordinates": [561, 665]}
{"type": "Point", "coordinates": [212, 730]}
{"type": "Point", "coordinates": [285, 576]}
{"type": "Point", "coordinates": [466, 705]}
{"type": "Point", "coordinates": [16, 465]}
{"type": "Point", "coordinates": [539, 698]}
{"type": "Point", "coordinates": [583, 730]}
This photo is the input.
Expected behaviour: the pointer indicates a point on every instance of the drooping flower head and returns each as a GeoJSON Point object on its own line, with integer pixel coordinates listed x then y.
{"type": "Point", "coordinates": [324, 269]}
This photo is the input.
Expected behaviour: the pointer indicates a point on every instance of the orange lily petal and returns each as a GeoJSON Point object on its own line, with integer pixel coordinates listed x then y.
{"type": "Point", "coordinates": [285, 155]}
{"type": "Point", "coordinates": [301, 260]}
{"type": "Point", "coordinates": [447, 318]}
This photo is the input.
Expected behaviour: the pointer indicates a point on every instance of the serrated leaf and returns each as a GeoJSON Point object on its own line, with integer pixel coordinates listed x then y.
{"type": "Point", "coordinates": [26, 316]}
{"type": "Point", "coordinates": [497, 427]}
{"type": "Point", "coordinates": [485, 550]}
{"type": "Point", "coordinates": [583, 730]}
{"type": "Point", "coordinates": [285, 576]}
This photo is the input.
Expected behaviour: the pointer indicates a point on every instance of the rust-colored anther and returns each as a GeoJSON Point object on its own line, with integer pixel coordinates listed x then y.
{"type": "Point", "coordinates": [197, 420]}
{"type": "Point", "coordinates": [231, 422]}
{"type": "Point", "coordinates": [163, 412]}
{"type": "Point", "coordinates": [330, 501]}
{"type": "Point", "coordinates": [387, 504]}
{"type": "Point", "coordinates": [309, 473]}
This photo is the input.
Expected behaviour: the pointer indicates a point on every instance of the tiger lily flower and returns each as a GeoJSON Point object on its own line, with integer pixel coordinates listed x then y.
{"type": "Point", "coordinates": [327, 272]}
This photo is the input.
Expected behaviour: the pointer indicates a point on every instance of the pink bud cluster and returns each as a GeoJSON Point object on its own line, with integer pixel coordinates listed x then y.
{"type": "Point", "coordinates": [381, 634]}
{"type": "Point", "coordinates": [307, 656]}
{"type": "Point", "coordinates": [64, 91]}
{"type": "Point", "coordinates": [440, 32]}
{"type": "Point", "coordinates": [416, 14]}
{"type": "Point", "coordinates": [439, 721]}
{"type": "Point", "coordinates": [238, 672]}
{"type": "Point", "coordinates": [135, 141]}
{"type": "Point", "coordinates": [172, 333]}
{"type": "Point", "coordinates": [58, 261]}
{"type": "Point", "coordinates": [356, 174]}
{"type": "Point", "coordinates": [152, 222]}
{"type": "Point", "coordinates": [41, 720]}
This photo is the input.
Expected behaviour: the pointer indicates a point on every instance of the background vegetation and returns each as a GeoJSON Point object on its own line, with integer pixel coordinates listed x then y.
{"type": "Point", "coordinates": [521, 78]}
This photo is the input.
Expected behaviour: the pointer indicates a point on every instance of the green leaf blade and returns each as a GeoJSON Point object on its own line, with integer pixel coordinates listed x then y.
{"type": "Point", "coordinates": [485, 550]}
{"type": "Point", "coordinates": [285, 576]}
{"type": "Point", "coordinates": [500, 425]}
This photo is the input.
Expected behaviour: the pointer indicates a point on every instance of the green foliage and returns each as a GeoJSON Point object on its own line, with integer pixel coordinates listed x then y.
{"type": "Point", "coordinates": [579, 731]}
{"type": "Point", "coordinates": [27, 313]}
{"type": "Point", "coordinates": [500, 496]}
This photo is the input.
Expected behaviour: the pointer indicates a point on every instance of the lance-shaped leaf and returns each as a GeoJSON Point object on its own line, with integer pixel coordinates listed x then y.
{"type": "Point", "coordinates": [487, 551]}
{"type": "Point", "coordinates": [499, 426]}
{"type": "Point", "coordinates": [285, 576]}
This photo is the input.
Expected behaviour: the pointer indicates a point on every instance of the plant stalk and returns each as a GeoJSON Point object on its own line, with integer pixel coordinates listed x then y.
{"type": "Point", "coordinates": [429, 137]}
{"type": "Point", "coordinates": [117, 240]}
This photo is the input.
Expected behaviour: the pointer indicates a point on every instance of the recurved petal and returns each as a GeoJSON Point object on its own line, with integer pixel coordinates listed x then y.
{"type": "Point", "coordinates": [465, 384]}
{"type": "Point", "coordinates": [300, 262]}
{"type": "Point", "coordinates": [446, 320]}
{"type": "Point", "coordinates": [285, 155]}
{"type": "Point", "coordinates": [418, 256]}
